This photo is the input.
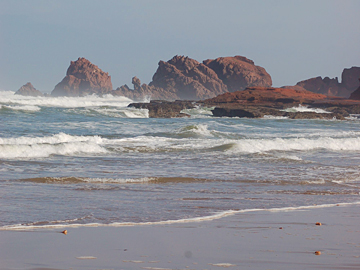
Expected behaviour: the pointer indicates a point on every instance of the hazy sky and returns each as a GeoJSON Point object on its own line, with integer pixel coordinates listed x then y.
{"type": "Point", "coordinates": [292, 39]}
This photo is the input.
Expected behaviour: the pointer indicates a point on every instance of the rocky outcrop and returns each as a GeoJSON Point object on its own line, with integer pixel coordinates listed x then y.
{"type": "Point", "coordinates": [29, 90]}
{"type": "Point", "coordinates": [185, 78]}
{"type": "Point", "coordinates": [350, 78]}
{"type": "Point", "coordinates": [83, 78]}
{"type": "Point", "coordinates": [238, 72]}
{"type": "Point", "coordinates": [332, 87]}
{"type": "Point", "coordinates": [164, 109]}
{"type": "Point", "coordinates": [188, 78]}
{"type": "Point", "coordinates": [356, 94]}
{"type": "Point", "coordinates": [144, 92]}
{"type": "Point", "coordinates": [256, 102]}
{"type": "Point", "coordinates": [266, 95]}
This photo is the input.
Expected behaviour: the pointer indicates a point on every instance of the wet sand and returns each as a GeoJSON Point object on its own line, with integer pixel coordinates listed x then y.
{"type": "Point", "coordinates": [254, 240]}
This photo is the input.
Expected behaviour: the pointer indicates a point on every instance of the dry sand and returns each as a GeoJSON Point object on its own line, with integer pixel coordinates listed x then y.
{"type": "Point", "coordinates": [257, 240]}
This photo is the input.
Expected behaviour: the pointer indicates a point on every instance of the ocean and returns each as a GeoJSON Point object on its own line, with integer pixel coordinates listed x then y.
{"type": "Point", "coordinates": [91, 161]}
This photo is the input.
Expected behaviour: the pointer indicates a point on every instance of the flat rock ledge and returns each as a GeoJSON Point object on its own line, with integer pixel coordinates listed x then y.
{"type": "Point", "coordinates": [260, 112]}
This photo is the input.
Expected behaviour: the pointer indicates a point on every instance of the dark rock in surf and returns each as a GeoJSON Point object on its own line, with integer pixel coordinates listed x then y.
{"type": "Point", "coordinates": [164, 109]}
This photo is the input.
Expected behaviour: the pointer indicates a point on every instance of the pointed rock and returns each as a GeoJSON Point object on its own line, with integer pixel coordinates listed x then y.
{"type": "Point", "coordinates": [28, 90]}
{"type": "Point", "coordinates": [83, 78]}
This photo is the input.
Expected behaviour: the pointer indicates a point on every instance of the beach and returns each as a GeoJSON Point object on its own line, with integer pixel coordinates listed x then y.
{"type": "Point", "coordinates": [279, 239]}
{"type": "Point", "coordinates": [199, 192]}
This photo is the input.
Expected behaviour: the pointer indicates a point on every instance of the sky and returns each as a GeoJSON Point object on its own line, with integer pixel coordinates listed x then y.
{"type": "Point", "coordinates": [293, 40]}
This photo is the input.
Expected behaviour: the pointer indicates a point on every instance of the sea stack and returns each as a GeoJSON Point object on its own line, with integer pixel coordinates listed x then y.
{"type": "Point", "coordinates": [356, 93]}
{"type": "Point", "coordinates": [28, 90]}
{"type": "Point", "coordinates": [83, 78]}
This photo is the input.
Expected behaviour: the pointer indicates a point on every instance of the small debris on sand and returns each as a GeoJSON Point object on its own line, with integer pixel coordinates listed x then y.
{"type": "Point", "coordinates": [317, 252]}
{"type": "Point", "coordinates": [318, 224]}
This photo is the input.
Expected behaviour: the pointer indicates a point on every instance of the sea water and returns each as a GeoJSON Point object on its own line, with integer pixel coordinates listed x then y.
{"type": "Point", "coordinates": [91, 161]}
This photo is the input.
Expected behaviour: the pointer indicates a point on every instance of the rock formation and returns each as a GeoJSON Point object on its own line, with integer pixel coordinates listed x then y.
{"type": "Point", "coordinates": [179, 78]}
{"type": "Point", "coordinates": [188, 78]}
{"type": "Point", "coordinates": [356, 94]}
{"type": "Point", "coordinates": [143, 92]}
{"type": "Point", "coordinates": [332, 87]}
{"type": "Point", "coordinates": [265, 95]}
{"type": "Point", "coordinates": [185, 78]}
{"type": "Point", "coordinates": [164, 109]}
{"type": "Point", "coordinates": [28, 90]}
{"type": "Point", "coordinates": [350, 78]}
{"type": "Point", "coordinates": [255, 102]}
{"type": "Point", "coordinates": [83, 78]}
{"type": "Point", "coordinates": [239, 72]}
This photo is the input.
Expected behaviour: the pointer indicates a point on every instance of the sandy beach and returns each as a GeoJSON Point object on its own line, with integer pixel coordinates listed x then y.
{"type": "Point", "coordinates": [253, 240]}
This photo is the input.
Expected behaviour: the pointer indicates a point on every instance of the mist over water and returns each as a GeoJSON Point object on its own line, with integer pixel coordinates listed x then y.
{"type": "Point", "coordinates": [92, 160]}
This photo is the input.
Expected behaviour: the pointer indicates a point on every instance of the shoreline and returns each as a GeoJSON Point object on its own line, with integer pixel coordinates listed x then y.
{"type": "Point", "coordinates": [259, 240]}
{"type": "Point", "coordinates": [213, 217]}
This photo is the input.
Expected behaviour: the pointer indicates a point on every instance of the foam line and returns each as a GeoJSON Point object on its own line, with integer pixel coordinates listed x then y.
{"type": "Point", "coordinates": [21, 227]}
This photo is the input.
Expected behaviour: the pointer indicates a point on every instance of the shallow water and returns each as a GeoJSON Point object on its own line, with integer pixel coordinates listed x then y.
{"type": "Point", "coordinates": [92, 160]}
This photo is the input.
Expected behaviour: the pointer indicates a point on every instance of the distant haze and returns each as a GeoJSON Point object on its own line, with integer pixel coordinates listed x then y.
{"type": "Point", "coordinates": [293, 40]}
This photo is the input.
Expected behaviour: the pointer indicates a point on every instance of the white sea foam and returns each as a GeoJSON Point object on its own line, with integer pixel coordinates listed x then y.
{"type": "Point", "coordinates": [192, 138]}
{"type": "Point", "coordinates": [118, 180]}
{"type": "Point", "coordinates": [275, 117]}
{"type": "Point", "coordinates": [29, 108]}
{"type": "Point", "coordinates": [61, 224]}
{"type": "Point", "coordinates": [302, 108]}
{"type": "Point", "coordinates": [296, 144]}
{"type": "Point", "coordinates": [198, 130]}
{"type": "Point", "coordinates": [199, 112]}
{"type": "Point", "coordinates": [59, 144]}
{"type": "Point", "coordinates": [8, 97]}
{"type": "Point", "coordinates": [46, 150]}
{"type": "Point", "coordinates": [125, 112]}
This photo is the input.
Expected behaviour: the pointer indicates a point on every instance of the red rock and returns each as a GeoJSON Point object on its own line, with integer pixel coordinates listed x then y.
{"type": "Point", "coordinates": [239, 72]}
{"type": "Point", "coordinates": [28, 90]}
{"type": "Point", "coordinates": [356, 93]}
{"type": "Point", "coordinates": [188, 79]}
{"type": "Point", "coordinates": [350, 78]}
{"type": "Point", "coordinates": [326, 86]}
{"type": "Point", "coordinates": [332, 87]}
{"type": "Point", "coordinates": [83, 78]}
{"type": "Point", "coordinates": [262, 95]}
{"type": "Point", "coordinates": [179, 78]}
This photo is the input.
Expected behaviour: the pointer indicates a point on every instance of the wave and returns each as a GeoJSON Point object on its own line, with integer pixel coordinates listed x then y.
{"type": "Point", "coordinates": [192, 139]}
{"type": "Point", "coordinates": [65, 223]}
{"type": "Point", "coordinates": [9, 98]}
{"type": "Point", "coordinates": [27, 108]}
{"type": "Point", "coordinates": [296, 144]}
{"type": "Point", "coordinates": [112, 112]}
{"type": "Point", "coordinates": [41, 147]}
{"type": "Point", "coordinates": [199, 112]}
{"type": "Point", "coordinates": [77, 180]}
{"type": "Point", "coordinates": [302, 108]}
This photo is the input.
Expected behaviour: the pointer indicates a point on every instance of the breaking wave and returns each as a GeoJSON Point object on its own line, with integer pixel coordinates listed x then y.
{"type": "Point", "coordinates": [195, 138]}
{"type": "Point", "coordinates": [27, 108]}
{"type": "Point", "coordinates": [302, 108]}
{"type": "Point", "coordinates": [9, 98]}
